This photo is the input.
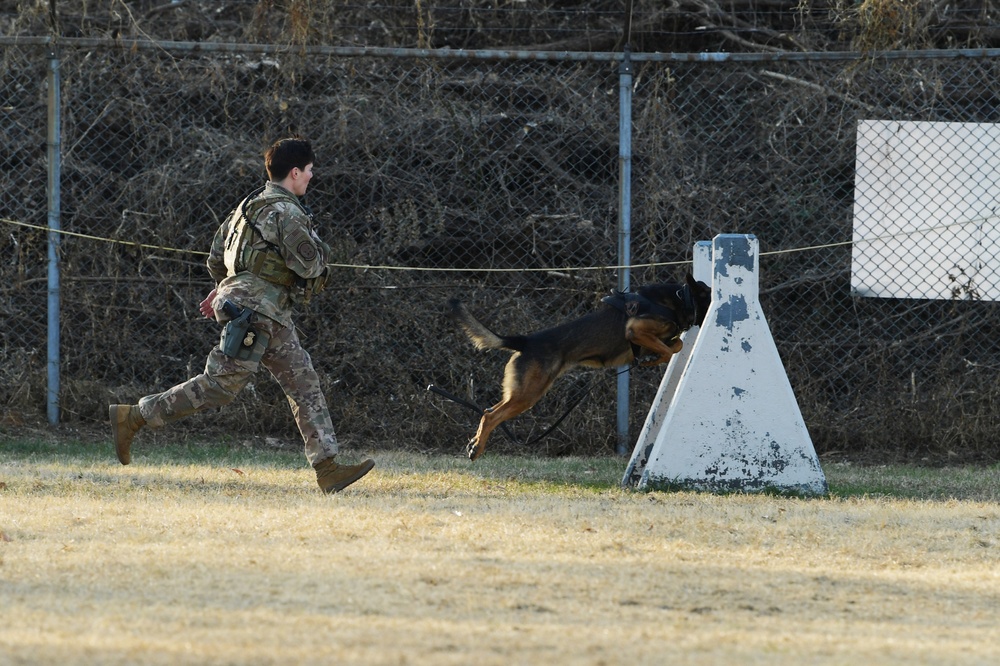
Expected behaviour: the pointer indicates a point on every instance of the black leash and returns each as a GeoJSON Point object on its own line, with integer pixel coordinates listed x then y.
{"type": "Point", "coordinates": [565, 414]}
{"type": "Point", "coordinates": [503, 426]}
{"type": "Point", "coordinates": [471, 405]}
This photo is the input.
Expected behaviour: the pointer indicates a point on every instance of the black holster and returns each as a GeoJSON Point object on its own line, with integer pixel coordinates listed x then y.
{"type": "Point", "coordinates": [240, 338]}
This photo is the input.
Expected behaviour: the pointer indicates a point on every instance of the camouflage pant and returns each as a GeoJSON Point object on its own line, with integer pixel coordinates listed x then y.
{"type": "Point", "coordinates": [224, 377]}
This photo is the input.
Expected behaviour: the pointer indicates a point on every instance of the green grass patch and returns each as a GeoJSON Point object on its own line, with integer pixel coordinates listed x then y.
{"type": "Point", "coordinates": [595, 474]}
{"type": "Point", "coordinates": [964, 482]}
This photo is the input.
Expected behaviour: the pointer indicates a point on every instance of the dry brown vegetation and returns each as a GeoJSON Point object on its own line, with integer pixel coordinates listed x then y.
{"type": "Point", "coordinates": [682, 26]}
{"type": "Point", "coordinates": [214, 557]}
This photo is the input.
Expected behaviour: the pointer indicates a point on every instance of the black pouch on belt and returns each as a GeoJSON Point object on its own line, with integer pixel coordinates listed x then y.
{"type": "Point", "coordinates": [240, 338]}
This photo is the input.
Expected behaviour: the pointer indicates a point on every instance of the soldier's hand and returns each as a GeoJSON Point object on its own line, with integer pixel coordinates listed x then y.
{"type": "Point", "coordinates": [206, 305]}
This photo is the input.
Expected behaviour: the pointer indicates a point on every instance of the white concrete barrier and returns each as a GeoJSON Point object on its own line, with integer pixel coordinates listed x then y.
{"type": "Point", "coordinates": [701, 270]}
{"type": "Point", "coordinates": [732, 423]}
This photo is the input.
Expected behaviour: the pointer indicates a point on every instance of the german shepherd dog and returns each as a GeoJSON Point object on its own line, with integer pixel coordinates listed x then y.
{"type": "Point", "coordinates": [618, 333]}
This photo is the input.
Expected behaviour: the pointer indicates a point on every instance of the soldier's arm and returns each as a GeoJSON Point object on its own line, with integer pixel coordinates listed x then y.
{"type": "Point", "coordinates": [304, 252]}
{"type": "Point", "coordinates": [216, 263]}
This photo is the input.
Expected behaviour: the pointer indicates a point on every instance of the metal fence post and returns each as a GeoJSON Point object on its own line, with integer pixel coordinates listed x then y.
{"type": "Point", "coordinates": [54, 147]}
{"type": "Point", "coordinates": [624, 222]}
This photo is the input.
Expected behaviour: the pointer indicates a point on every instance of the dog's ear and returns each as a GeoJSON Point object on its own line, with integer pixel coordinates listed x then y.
{"type": "Point", "coordinates": [698, 286]}
{"type": "Point", "coordinates": [702, 295]}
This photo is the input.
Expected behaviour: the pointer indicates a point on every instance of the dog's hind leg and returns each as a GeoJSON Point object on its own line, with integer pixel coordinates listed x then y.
{"type": "Point", "coordinates": [492, 418]}
{"type": "Point", "coordinates": [524, 385]}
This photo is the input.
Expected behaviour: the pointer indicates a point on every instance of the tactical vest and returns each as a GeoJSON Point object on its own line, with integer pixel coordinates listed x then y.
{"type": "Point", "coordinates": [240, 255]}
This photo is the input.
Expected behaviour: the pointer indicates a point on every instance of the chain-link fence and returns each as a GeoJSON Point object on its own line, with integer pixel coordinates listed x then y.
{"type": "Point", "coordinates": [491, 179]}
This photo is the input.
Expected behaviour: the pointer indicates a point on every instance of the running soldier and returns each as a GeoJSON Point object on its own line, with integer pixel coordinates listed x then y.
{"type": "Point", "coordinates": [265, 259]}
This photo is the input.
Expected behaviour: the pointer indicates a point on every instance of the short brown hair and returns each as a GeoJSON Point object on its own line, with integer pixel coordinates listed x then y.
{"type": "Point", "coordinates": [286, 154]}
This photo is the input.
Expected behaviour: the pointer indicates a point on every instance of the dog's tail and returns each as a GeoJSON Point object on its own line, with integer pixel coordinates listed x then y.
{"type": "Point", "coordinates": [482, 337]}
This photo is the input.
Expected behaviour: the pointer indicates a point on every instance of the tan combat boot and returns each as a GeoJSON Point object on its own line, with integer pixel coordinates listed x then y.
{"type": "Point", "coordinates": [125, 422]}
{"type": "Point", "coordinates": [333, 478]}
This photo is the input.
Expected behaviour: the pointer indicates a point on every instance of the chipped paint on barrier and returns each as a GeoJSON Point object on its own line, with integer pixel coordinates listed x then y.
{"type": "Point", "coordinates": [733, 422]}
{"type": "Point", "coordinates": [732, 311]}
{"type": "Point", "coordinates": [731, 252]}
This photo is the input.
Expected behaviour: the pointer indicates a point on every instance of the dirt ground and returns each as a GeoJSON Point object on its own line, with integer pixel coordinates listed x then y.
{"type": "Point", "coordinates": [440, 563]}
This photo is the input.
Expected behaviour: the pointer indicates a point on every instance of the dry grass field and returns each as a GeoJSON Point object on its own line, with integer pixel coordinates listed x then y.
{"type": "Point", "coordinates": [232, 556]}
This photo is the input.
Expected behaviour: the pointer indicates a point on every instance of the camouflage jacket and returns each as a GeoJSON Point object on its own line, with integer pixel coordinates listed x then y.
{"type": "Point", "coordinates": [282, 228]}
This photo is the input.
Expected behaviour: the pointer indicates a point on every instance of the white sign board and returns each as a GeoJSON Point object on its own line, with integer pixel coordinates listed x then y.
{"type": "Point", "coordinates": [926, 206]}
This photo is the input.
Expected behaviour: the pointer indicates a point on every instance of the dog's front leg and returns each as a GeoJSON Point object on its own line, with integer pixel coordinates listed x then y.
{"type": "Point", "coordinates": [649, 335]}
{"type": "Point", "coordinates": [665, 353]}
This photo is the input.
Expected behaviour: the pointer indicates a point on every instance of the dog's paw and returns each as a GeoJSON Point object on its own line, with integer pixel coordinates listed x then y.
{"type": "Point", "coordinates": [656, 361]}
{"type": "Point", "coordinates": [472, 450]}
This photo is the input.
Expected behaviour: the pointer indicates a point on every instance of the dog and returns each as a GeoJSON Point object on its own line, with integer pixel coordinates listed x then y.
{"type": "Point", "coordinates": [626, 325]}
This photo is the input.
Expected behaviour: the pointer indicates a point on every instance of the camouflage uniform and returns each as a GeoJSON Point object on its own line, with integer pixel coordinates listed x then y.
{"type": "Point", "coordinates": [282, 227]}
